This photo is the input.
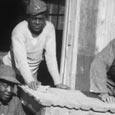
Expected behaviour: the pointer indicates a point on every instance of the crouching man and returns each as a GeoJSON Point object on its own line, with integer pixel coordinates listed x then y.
{"type": "Point", "coordinates": [9, 102]}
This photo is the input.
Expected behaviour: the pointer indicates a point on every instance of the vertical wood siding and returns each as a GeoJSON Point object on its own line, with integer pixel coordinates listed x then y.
{"type": "Point", "coordinates": [89, 26]}
{"type": "Point", "coordinates": [86, 41]}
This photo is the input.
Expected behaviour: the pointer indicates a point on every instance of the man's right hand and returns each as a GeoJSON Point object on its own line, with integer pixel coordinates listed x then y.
{"type": "Point", "coordinates": [34, 85]}
{"type": "Point", "coordinates": [107, 98]}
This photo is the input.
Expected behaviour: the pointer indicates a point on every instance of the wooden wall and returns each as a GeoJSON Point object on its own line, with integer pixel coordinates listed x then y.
{"type": "Point", "coordinates": [89, 26]}
{"type": "Point", "coordinates": [86, 41]}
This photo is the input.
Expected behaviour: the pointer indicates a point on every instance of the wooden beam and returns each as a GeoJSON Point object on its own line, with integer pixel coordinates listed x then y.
{"type": "Point", "coordinates": [69, 49]}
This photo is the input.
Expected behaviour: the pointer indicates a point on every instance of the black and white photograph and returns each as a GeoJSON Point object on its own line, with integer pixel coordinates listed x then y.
{"type": "Point", "coordinates": [57, 57]}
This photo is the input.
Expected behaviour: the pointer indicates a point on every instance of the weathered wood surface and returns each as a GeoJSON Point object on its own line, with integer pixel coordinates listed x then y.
{"type": "Point", "coordinates": [89, 26]}
{"type": "Point", "coordinates": [69, 101]}
{"type": "Point", "coordinates": [105, 30]}
{"type": "Point", "coordinates": [79, 42]}
{"type": "Point", "coordinates": [65, 111]}
{"type": "Point", "coordinates": [69, 48]}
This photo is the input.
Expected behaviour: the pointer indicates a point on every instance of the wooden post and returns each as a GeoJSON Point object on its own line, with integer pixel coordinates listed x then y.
{"type": "Point", "coordinates": [69, 49]}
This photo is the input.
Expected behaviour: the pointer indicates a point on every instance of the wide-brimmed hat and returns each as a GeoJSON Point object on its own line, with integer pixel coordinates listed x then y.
{"type": "Point", "coordinates": [8, 74]}
{"type": "Point", "coordinates": [36, 7]}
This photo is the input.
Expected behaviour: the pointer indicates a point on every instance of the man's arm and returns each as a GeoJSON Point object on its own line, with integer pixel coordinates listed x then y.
{"type": "Point", "coordinates": [51, 60]}
{"type": "Point", "coordinates": [98, 72]}
{"type": "Point", "coordinates": [50, 56]}
{"type": "Point", "coordinates": [20, 57]}
{"type": "Point", "coordinates": [99, 68]}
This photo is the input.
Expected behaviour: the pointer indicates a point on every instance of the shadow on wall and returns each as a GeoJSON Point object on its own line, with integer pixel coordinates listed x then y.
{"type": "Point", "coordinates": [83, 69]}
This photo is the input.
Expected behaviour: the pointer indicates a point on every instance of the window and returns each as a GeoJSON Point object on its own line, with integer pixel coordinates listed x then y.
{"type": "Point", "coordinates": [56, 13]}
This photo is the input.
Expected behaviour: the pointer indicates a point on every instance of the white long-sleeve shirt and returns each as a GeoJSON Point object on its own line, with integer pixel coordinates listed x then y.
{"type": "Point", "coordinates": [27, 51]}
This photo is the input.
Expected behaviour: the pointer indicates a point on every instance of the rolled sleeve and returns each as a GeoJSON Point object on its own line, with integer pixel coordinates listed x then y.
{"type": "Point", "coordinates": [20, 56]}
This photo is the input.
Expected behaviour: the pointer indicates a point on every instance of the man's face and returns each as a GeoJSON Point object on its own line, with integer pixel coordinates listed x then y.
{"type": "Point", "coordinates": [6, 91]}
{"type": "Point", "coordinates": [36, 23]}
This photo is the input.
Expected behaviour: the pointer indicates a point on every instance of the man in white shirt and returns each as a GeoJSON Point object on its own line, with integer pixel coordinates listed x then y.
{"type": "Point", "coordinates": [29, 39]}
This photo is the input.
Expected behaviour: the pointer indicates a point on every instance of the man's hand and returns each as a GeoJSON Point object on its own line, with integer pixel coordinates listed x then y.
{"type": "Point", "coordinates": [107, 98]}
{"type": "Point", "coordinates": [62, 86]}
{"type": "Point", "coordinates": [34, 85]}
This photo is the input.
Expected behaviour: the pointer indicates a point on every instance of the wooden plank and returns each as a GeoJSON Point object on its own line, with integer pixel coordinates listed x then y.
{"type": "Point", "coordinates": [65, 111]}
{"type": "Point", "coordinates": [86, 42]}
{"type": "Point", "coordinates": [70, 99]}
{"type": "Point", "coordinates": [69, 49]}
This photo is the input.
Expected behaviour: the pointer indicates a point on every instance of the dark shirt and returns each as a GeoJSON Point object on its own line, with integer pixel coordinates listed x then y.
{"type": "Point", "coordinates": [14, 107]}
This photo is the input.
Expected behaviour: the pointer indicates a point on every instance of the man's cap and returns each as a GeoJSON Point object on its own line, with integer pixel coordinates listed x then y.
{"type": "Point", "coordinates": [8, 74]}
{"type": "Point", "coordinates": [36, 7]}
